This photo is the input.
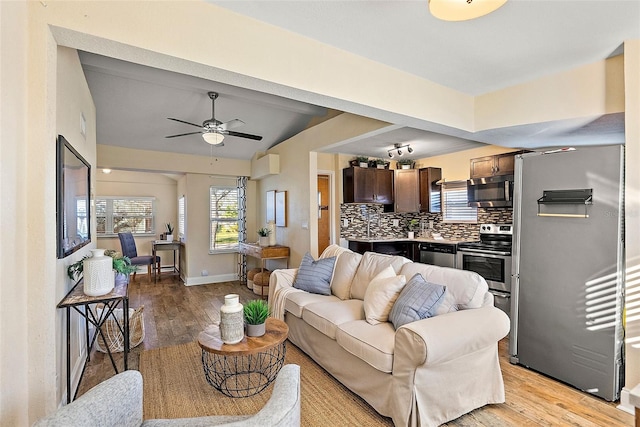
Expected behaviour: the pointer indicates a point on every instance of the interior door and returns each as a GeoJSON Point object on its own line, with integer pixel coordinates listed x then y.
{"type": "Point", "coordinates": [324, 221]}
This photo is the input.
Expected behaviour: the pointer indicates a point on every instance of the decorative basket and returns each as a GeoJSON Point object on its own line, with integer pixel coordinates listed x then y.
{"type": "Point", "coordinates": [250, 275]}
{"type": "Point", "coordinates": [111, 331]}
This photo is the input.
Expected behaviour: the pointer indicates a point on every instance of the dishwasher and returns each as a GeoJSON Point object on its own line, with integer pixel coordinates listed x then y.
{"type": "Point", "coordinates": [440, 254]}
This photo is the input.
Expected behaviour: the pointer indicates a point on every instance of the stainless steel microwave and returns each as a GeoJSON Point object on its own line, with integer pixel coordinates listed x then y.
{"type": "Point", "coordinates": [490, 192]}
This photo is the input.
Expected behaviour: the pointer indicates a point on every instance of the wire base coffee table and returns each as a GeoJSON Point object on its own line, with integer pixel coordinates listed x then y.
{"type": "Point", "coordinates": [245, 368]}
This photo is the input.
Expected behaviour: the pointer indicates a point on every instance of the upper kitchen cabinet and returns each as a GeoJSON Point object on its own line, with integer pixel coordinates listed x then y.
{"type": "Point", "coordinates": [367, 185]}
{"type": "Point", "coordinates": [500, 164]}
{"type": "Point", "coordinates": [430, 190]}
{"type": "Point", "coordinates": [407, 190]}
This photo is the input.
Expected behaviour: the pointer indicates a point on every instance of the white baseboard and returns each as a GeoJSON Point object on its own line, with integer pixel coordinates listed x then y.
{"type": "Point", "coordinates": [625, 404]}
{"type": "Point", "coordinates": [203, 280]}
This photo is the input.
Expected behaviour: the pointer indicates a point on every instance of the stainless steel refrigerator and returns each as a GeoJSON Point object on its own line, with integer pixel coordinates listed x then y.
{"type": "Point", "coordinates": [567, 267]}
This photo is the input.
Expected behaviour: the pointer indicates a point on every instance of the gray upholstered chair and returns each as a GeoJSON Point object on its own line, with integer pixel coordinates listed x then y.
{"type": "Point", "coordinates": [118, 402]}
{"type": "Point", "coordinates": [128, 245]}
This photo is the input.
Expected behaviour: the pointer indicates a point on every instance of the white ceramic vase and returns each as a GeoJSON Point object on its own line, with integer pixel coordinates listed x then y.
{"type": "Point", "coordinates": [272, 235]}
{"type": "Point", "coordinates": [231, 320]}
{"type": "Point", "coordinates": [170, 237]}
{"type": "Point", "coordinates": [263, 241]}
{"type": "Point", "coordinates": [99, 278]}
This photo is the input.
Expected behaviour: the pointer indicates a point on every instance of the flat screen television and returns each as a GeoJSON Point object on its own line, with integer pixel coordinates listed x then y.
{"type": "Point", "coordinates": [73, 214]}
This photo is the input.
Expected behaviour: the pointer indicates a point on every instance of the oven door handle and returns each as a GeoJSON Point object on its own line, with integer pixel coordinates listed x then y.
{"type": "Point", "coordinates": [482, 251]}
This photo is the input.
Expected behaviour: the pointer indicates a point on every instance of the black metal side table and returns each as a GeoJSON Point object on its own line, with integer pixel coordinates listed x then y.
{"type": "Point", "coordinates": [77, 299]}
{"type": "Point", "coordinates": [245, 368]}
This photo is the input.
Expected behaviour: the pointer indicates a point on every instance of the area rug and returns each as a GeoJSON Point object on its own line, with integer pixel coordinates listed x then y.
{"type": "Point", "coordinates": [175, 387]}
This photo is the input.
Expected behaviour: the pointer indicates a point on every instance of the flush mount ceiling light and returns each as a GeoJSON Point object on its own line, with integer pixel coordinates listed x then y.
{"type": "Point", "coordinates": [398, 149]}
{"type": "Point", "coordinates": [213, 138]}
{"type": "Point", "coordinates": [462, 10]}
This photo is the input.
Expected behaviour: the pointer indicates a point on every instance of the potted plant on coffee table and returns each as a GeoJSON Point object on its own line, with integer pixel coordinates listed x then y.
{"type": "Point", "coordinates": [255, 316]}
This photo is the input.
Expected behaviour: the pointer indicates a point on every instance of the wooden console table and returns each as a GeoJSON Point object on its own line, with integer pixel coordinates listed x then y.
{"type": "Point", "coordinates": [163, 245]}
{"type": "Point", "coordinates": [264, 253]}
{"type": "Point", "coordinates": [77, 298]}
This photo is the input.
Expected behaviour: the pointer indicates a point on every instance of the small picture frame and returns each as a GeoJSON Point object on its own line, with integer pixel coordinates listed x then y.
{"type": "Point", "coordinates": [281, 208]}
{"type": "Point", "coordinates": [271, 206]}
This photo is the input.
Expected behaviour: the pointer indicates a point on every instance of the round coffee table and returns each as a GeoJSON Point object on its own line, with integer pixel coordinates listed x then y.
{"type": "Point", "coordinates": [245, 368]}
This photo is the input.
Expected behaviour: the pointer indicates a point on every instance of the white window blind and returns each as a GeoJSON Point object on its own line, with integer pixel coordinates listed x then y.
{"type": "Point", "coordinates": [181, 218]}
{"type": "Point", "coordinates": [121, 214]}
{"type": "Point", "coordinates": [223, 208]}
{"type": "Point", "coordinates": [454, 203]}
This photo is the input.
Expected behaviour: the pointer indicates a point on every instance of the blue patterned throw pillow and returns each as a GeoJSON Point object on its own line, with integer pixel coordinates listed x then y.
{"type": "Point", "coordinates": [419, 299]}
{"type": "Point", "coordinates": [315, 276]}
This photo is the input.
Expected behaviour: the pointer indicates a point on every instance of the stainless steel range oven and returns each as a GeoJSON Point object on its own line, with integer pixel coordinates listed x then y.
{"type": "Point", "coordinates": [491, 258]}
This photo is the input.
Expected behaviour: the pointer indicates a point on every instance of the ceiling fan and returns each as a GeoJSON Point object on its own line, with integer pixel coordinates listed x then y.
{"type": "Point", "coordinates": [213, 131]}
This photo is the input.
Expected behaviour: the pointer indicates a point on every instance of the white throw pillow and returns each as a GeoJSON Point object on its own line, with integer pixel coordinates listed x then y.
{"type": "Point", "coordinates": [381, 293]}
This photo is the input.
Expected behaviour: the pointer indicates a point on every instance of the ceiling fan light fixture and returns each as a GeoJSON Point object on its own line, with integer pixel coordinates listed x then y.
{"type": "Point", "coordinates": [213, 138]}
{"type": "Point", "coordinates": [463, 10]}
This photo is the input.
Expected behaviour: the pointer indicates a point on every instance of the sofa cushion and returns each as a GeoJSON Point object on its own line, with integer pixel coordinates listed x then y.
{"type": "Point", "coordinates": [315, 276]}
{"type": "Point", "coordinates": [381, 294]}
{"type": "Point", "coordinates": [334, 250]}
{"type": "Point", "coordinates": [371, 264]}
{"type": "Point", "coordinates": [418, 300]}
{"type": "Point", "coordinates": [326, 316]}
{"type": "Point", "coordinates": [343, 274]}
{"type": "Point", "coordinates": [373, 344]}
{"type": "Point", "coordinates": [465, 289]}
{"type": "Point", "coordinates": [297, 301]}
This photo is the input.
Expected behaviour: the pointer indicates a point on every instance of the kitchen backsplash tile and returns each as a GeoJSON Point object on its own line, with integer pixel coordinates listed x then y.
{"type": "Point", "coordinates": [369, 221]}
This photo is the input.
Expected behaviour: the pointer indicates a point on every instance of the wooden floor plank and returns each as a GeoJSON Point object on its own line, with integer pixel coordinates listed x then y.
{"type": "Point", "coordinates": [175, 314]}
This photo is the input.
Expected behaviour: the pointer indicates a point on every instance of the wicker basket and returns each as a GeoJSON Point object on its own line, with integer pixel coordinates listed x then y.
{"type": "Point", "coordinates": [250, 275]}
{"type": "Point", "coordinates": [112, 333]}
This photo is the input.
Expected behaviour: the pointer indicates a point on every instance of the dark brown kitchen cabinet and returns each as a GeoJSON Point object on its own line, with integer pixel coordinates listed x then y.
{"type": "Point", "coordinates": [367, 185]}
{"type": "Point", "coordinates": [430, 190]}
{"type": "Point", "coordinates": [407, 190]}
{"type": "Point", "coordinates": [500, 164]}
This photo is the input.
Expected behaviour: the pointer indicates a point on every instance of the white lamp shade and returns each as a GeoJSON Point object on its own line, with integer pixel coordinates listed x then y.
{"type": "Point", "coordinates": [461, 10]}
{"type": "Point", "coordinates": [213, 138]}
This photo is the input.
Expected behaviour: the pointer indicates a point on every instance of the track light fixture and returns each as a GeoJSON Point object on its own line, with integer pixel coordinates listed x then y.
{"type": "Point", "coordinates": [398, 149]}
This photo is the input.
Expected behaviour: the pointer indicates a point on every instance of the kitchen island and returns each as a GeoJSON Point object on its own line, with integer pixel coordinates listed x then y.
{"type": "Point", "coordinates": [408, 248]}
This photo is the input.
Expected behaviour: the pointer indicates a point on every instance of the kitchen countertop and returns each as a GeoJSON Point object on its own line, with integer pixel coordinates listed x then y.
{"type": "Point", "coordinates": [417, 240]}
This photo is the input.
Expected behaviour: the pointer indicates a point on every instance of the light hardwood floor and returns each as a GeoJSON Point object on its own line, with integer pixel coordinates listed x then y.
{"type": "Point", "coordinates": [176, 314]}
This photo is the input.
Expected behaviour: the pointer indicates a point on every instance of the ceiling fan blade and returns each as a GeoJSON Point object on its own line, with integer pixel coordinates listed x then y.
{"type": "Point", "coordinates": [242, 135]}
{"type": "Point", "coordinates": [182, 121]}
{"type": "Point", "coordinates": [231, 124]}
{"type": "Point", "coordinates": [182, 134]}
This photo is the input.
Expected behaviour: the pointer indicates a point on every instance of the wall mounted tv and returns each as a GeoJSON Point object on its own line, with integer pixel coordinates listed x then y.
{"type": "Point", "coordinates": [72, 196]}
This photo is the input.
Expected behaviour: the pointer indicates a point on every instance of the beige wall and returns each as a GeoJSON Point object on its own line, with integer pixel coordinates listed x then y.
{"type": "Point", "coordinates": [455, 166]}
{"type": "Point", "coordinates": [29, 376]}
{"type": "Point", "coordinates": [15, 391]}
{"type": "Point", "coordinates": [142, 184]}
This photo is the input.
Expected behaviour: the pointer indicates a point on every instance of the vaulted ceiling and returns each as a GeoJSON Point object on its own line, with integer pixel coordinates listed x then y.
{"type": "Point", "coordinates": [523, 40]}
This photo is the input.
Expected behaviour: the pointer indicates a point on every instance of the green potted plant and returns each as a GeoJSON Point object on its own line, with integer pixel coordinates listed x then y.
{"type": "Point", "coordinates": [169, 228]}
{"type": "Point", "coordinates": [255, 316]}
{"type": "Point", "coordinates": [405, 164]}
{"type": "Point", "coordinates": [263, 235]}
{"type": "Point", "coordinates": [362, 161]}
{"type": "Point", "coordinates": [381, 163]}
{"type": "Point", "coordinates": [121, 265]}
{"type": "Point", "coordinates": [412, 227]}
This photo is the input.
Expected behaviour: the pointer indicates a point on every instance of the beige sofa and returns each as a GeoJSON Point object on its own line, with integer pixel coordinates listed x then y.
{"type": "Point", "coordinates": [426, 372]}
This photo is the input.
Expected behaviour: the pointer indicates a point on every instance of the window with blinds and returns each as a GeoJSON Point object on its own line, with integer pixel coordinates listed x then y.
{"type": "Point", "coordinates": [454, 203]}
{"type": "Point", "coordinates": [122, 214]}
{"type": "Point", "coordinates": [224, 229]}
{"type": "Point", "coordinates": [181, 218]}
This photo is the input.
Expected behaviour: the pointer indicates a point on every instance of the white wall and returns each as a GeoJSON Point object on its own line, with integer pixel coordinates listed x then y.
{"type": "Point", "coordinates": [73, 99]}
{"type": "Point", "coordinates": [142, 184]}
